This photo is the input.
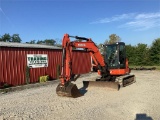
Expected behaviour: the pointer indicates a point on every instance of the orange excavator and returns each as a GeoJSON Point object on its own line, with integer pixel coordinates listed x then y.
{"type": "Point", "coordinates": [112, 67]}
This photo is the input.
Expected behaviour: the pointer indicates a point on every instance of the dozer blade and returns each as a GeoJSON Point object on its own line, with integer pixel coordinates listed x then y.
{"type": "Point", "coordinates": [102, 84]}
{"type": "Point", "coordinates": [70, 90]}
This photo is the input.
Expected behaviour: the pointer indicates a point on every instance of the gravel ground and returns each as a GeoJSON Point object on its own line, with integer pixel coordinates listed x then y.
{"type": "Point", "coordinates": [139, 101]}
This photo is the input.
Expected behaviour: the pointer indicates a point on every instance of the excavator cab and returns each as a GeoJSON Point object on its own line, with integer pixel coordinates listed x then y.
{"type": "Point", "coordinates": [117, 63]}
{"type": "Point", "coordinates": [115, 55]}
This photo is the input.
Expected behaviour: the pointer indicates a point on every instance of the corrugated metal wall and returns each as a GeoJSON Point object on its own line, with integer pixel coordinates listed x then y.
{"type": "Point", "coordinates": [13, 63]}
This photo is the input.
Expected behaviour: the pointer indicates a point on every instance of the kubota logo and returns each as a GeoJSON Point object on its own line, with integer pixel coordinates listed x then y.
{"type": "Point", "coordinates": [81, 44]}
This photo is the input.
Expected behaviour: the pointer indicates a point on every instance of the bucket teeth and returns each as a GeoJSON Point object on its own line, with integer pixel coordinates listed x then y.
{"type": "Point", "coordinates": [70, 90]}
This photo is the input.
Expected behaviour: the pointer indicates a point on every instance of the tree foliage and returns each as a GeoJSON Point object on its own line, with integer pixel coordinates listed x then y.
{"type": "Point", "coordinates": [50, 42]}
{"type": "Point", "coordinates": [15, 38]}
{"type": "Point", "coordinates": [130, 53]}
{"type": "Point", "coordinates": [44, 42]}
{"type": "Point", "coordinates": [113, 38]}
{"type": "Point", "coordinates": [138, 55]}
{"type": "Point", "coordinates": [32, 42]}
{"type": "Point", "coordinates": [141, 54]}
{"type": "Point", "coordinates": [155, 51]}
{"type": "Point", "coordinates": [8, 38]}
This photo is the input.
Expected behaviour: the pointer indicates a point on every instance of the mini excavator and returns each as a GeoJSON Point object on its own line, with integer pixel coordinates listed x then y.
{"type": "Point", "coordinates": [112, 67]}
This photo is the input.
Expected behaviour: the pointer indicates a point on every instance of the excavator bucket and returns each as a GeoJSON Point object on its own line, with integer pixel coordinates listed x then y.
{"type": "Point", "coordinates": [102, 84]}
{"type": "Point", "coordinates": [70, 90]}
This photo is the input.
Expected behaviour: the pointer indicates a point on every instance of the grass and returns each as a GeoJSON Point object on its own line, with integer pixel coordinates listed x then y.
{"type": "Point", "coordinates": [133, 66]}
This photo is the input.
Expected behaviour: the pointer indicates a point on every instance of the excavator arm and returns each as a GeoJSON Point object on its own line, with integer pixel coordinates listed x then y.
{"type": "Point", "coordinates": [90, 47]}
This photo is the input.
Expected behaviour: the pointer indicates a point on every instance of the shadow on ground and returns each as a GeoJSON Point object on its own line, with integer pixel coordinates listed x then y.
{"type": "Point", "coordinates": [83, 90]}
{"type": "Point", "coordinates": [143, 117]}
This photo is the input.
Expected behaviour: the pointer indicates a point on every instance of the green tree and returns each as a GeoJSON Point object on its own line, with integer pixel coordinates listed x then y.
{"type": "Point", "coordinates": [113, 38]}
{"type": "Point", "coordinates": [40, 42]}
{"type": "Point", "coordinates": [16, 38]}
{"type": "Point", "coordinates": [6, 37]}
{"type": "Point", "coordinates": [141, 54]}
{"type": "Point", "coordinates": [130, 54]}
{"type": "Point", "coordinates": [49, 41]}
{"type": "Point", "coordinates": [32, 42]}
{"type": "Point", "coordinates": [155, 52]}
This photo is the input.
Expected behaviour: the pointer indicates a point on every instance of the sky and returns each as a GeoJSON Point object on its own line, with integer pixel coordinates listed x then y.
{"type": "Point", "coordinates": [134, 21]}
